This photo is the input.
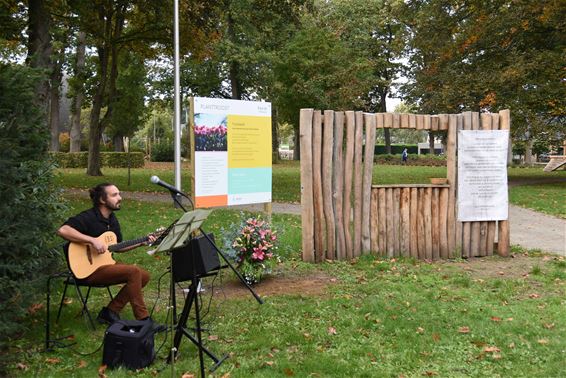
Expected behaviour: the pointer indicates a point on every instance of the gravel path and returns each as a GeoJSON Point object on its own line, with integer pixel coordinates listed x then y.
{"type": "Point", "coordinates": [529, 229]}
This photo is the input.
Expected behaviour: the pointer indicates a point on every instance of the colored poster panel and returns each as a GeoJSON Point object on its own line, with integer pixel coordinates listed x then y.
{"type": "Point", "coordinates": [211, 184]}
{"type": "Point", "coordinates": [482, 175]}
{"type": "Point", "coordinates": [232, 154]}
{"type": "Point", "coordinates": [249, 142]}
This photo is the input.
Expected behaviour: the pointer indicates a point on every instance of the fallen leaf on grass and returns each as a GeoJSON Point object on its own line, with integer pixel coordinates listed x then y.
{"type": "Point", "coordinates": [542, 341]}
{"type": "Point", "coordinates": [331, 331]}
{"type": "Point", "coordinates": [495, 319]}
{"type": "Point", "coordinates": [35, 308]}
{"type": "Point", "coordinates": [496, 356]}
{"type": "Point", "coordinates": [420, 330]}
{"type": "Point", "coordinates": [548, 325]}
{"type": "Point", "coordinates": [436, 337]}
{"type": "Point", "coordinates": [212, 337]}
{"type": "Point", "coordinates": [288, 372]}
{"type": "Point", "coordinates": [227, 375]}
{"type": "Point", "coordinates": [82, 364]}
{"type": "Point", "coordinates": [188, 375]}
{"type": "Point", "coordinates": [21, 366]}
{"type": "Point", "coordinates": [102, 371]}
{"type": "Point", "coordinates": [464, 329]}
{"type": "Point", "coordinates": [491, 349]}
{"type": "Point", "coordinates": [269, 363]}
{"type": "Point", "coordinates": [67, 301]}
{"type": "Point", "coordinates": [52, 360]}
{"type": "Point", "coordinates": [534, 296]}
{"type": "Point", "coordinates": [430, 373]}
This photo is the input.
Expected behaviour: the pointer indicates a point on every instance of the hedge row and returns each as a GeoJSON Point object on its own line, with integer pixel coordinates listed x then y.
{"type": "Point", "coordinates": [108, 159]}
{"type": "Point", "coordinates": [428, 160]}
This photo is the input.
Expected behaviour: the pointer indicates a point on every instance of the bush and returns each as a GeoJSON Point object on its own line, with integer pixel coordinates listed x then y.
{"type": "Point", "coordinates": [163, 151]}
{"type": "Point", "coordinates": [28, 202]}
{"type": "Point", "coordinates": [108, 159]}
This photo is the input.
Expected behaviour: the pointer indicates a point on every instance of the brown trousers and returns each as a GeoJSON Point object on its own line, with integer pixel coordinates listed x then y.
{"type": "Point", "coordinates": [134, 278]}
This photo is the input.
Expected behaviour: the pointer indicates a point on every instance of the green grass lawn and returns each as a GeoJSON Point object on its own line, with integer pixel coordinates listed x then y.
{"type": "Point", "coordinates": [287, 182]}
{"type": "Point", "coordinates": [369, 318]}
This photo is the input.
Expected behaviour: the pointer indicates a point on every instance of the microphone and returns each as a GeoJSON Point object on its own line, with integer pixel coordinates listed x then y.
{"type": "Point", "coordinates": [156, 180]}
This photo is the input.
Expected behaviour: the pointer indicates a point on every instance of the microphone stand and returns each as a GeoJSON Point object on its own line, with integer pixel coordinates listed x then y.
{"type": "Point", "coordinates": [176, 199]}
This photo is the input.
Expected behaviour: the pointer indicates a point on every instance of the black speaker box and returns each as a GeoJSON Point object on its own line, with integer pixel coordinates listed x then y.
{"type": "Point", "coordinates": [129, 343]}
{"type": "Point", "coordinates": [204, 255]}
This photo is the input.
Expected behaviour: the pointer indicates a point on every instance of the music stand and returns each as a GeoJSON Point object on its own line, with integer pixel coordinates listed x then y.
{"type": "Point", "coordinates": [180, 235]}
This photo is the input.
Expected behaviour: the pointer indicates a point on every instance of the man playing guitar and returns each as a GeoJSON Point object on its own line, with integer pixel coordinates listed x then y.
{"type": "Point", "coordinates": [84, 229]}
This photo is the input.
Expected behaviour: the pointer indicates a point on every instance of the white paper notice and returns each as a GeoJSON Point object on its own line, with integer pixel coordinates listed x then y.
{"type": "Point", "coordinates": [482, 175]}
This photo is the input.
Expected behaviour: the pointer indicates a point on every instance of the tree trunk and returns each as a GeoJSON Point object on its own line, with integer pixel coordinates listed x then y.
{"type": "Point", "coordinates": [107, 54]}
{"type": "Point", "coordinates": [297, 141]}
{"type": "Point", "coordinates": [55, 94]}
{"type": "Point", "coordinates": [39, 47]}
{"type": "Point", "coordinates": [95, 130]}
{"type": "Point", "coordinates": [430, 143]}
{"type": "Point", "coordinates": [118, 142]}
{"type": "Point", "coordinates": [75, 133]}
{"type": "Point", "coordinates": [529, 152]}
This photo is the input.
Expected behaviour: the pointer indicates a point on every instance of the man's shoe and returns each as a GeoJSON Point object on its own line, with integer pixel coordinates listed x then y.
{"type": "Point", "coordinates": [107, 316]}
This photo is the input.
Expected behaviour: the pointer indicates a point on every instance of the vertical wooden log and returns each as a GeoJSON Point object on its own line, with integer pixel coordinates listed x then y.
{"type": "Point", "coordinates": [427, 122]}
{"type": "Point", "coordinates": [459, 225]}
{"type": "Point", "coordinates": [421, 235]}
{"type": "Point", "coordinates": [374, 221]}
{"type": "Point", "coordinates": [327, 191]}
{"type": "Point", "coordinates": [451, 176]}
{"type": "Point", "coordinates": [467, 226]}
{"type": "Point", "coordinates": [405, 225]}
{"type": "Point", "coordinates": [369, 120]}
{"type": "Point", "coordinates": [388, 117]}
{"type": "Point", "coordinates": [427, 212]}
{"type": "Point", "coordinates": [382, 222]}
{"type": "Point", "coordinates": [443, 222]}
{"type": "Point", "coordinates": [443, 122]}
{"type": "Point", "coordinates": [492, 226]}
{"type": "Point", "coordinates": [319, 233]}
{"type": "Point", "coordinates": [380, 120]}
{"type": "Point", "coordinates": [404, 121]}
{"type": "Point", "coordinates": [413, 121]}
{"type": "Point", "coordinates": [396, 120]}
{"type": "Point", "coordinates": [503, 242]}
{"type": "Point", "coordinates": [338, 184]}
{"type": "Point", "coordinates": [435, 217]}
{"type": "Point", "coordinates": [485, 124]}
{"type": "Point", "coordinates": [348, 167]}
{"type": "Point", "coordinates": [358, 169]}
{"type": "Point", "coordinates": [414, 216]}
{"type": "Point", "coordinates": [475, 246]}
{"type": "Point", "coordinates": [390, 226]}
{"type": "Point", "coordinates": [435, 126]}
{"type": "Point", "coordinates": [305, 139]}
{"type": "Point", "coordinates": [420, 121]}
{"type": "Point", "coordinates": [396, 220]}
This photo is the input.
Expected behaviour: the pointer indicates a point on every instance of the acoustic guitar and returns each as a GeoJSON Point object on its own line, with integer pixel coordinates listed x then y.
{"type": "Point", "coordinates": [84, 260]}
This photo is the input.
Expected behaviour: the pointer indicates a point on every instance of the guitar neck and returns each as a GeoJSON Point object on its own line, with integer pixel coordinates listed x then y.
{"type": "Point", "coordinates": [127, 243]}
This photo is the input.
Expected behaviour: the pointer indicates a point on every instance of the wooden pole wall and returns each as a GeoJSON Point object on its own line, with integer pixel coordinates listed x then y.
{"type": "Point", "coordinates": [344, 215]}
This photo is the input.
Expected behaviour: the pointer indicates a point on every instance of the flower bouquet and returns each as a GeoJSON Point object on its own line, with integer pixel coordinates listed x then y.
{"type": "Point", "coordinates": [253, 249]}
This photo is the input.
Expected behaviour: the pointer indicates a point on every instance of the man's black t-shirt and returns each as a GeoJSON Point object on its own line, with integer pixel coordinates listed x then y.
{"type": "Point", "coordinates": [91, 222]}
